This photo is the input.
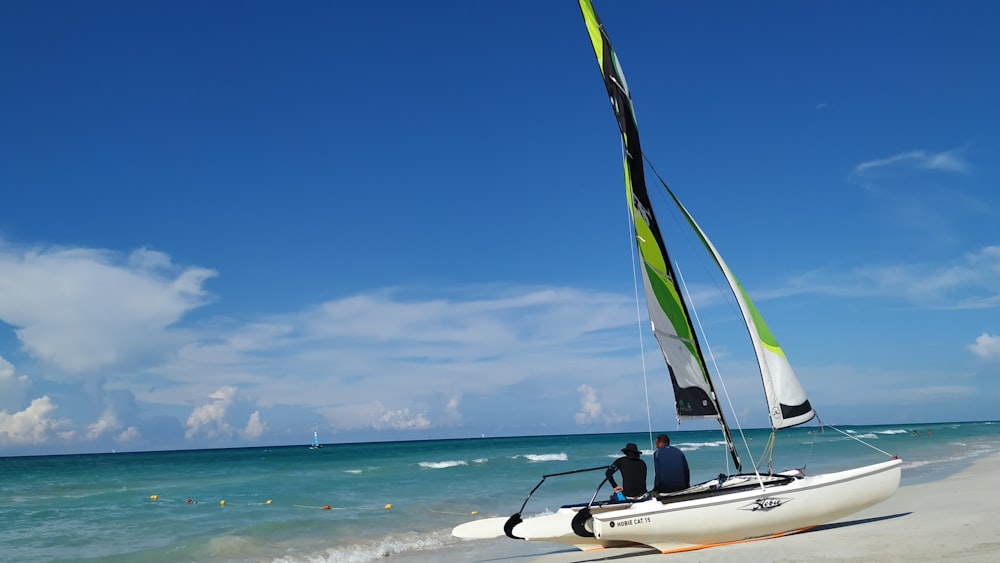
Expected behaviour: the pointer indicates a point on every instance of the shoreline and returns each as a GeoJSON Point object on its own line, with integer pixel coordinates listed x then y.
{"type": "Point", "coordinates": [949, 519]}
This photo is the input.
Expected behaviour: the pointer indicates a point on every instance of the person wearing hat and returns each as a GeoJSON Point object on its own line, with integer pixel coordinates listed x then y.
{"type": "Point", "coordinates": [633, 471]}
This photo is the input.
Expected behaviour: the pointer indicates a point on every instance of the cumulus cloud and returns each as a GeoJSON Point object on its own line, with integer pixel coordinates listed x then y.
{"type": "Point", "coordinates": [375, 415]}
{"type": "Point", "coordinates": [986, 347]}
{"type": "Point", "coordinates": [452, 414]}
{"type": "Point", "coordinates": [255, 427]}
{"type": "Point", "coordinates": [402, 420]}
{"type": "Point", "coordinates": [947, 161]}
{"type": "Point", "coordinates": [130, 434]}
{"type": "Point", "coordinates": [210, 420]}
{"type": "Point", "coordinates": [590, 407]}
{"type": "Point", "coordinates": [107, 421]}
{"type": "Point", "coordinates": [34, 425]}
{"type": "Point", "coordinates": [116, 307]}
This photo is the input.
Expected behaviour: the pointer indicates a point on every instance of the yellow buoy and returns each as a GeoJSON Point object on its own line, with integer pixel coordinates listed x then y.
{"type": "Point", "coordinates": [268, 501]}
{"type": "Point", "coordinates": [474, 512]}
{"type": "Point", "coordinates": [154, 497]}
{"type": "Point", "coordinates": [222, 503]}
{"type": "Point", "coordinates": [388, 506]}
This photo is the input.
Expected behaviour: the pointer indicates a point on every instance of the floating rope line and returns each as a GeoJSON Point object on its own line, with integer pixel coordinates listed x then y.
{"type": "Point", "coordinates": [156, 498]}
{"type": "Point", "coordinates": [473, 513]}
{"type": "Point", "coordinates": [328, 507]}
{"type": "Point", "coordinates": [224, 502]}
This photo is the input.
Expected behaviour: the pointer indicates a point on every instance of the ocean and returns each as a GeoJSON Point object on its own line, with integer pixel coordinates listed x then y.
{"type": "Point", "coordinates": [363, 502]}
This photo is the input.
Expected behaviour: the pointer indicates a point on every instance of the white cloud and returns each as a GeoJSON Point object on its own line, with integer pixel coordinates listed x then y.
{"type": "Point", "coordinates": [948, 161]}
{"type": "Point", "coordinates": [107, 422]}
{"type": "Point", "coordinates": [130, 434]}
{"type": "Point", "coordinates": [452, 415]}
{"type": "Point", "coordinates": [972, 282]}
{"type": "Point", "coordinates": [209, 419]}
{"type": "Point", "coordinates": [387, 350]}
{"type": "Point", "coordinates": [212, 420]}
{"type": "Point", "coordinates": [34, 425]}
{"type": "Point", "coordinates": [119, 320]}
{"type": "Point", "coordinates": [590, 407]}
{"type": "Point", "coordinates": [986, 347]}
{"type": "Point", "coordinates": [255, 427]}
{"type": "Point", "coordinates": [83, 309]}
{"type": "Point", "coordinates": [402, 420]}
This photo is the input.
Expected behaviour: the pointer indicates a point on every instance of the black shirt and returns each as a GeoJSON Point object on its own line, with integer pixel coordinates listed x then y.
{"type": "Point", "coordinates": [633, 475]}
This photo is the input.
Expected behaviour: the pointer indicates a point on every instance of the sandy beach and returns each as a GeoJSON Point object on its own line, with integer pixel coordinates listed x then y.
{"type": "Point", "coordinates": [952, 519]}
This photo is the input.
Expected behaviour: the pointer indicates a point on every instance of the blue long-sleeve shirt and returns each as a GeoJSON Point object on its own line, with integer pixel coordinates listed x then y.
{"type": "Point", "coordinates": [670, 469]}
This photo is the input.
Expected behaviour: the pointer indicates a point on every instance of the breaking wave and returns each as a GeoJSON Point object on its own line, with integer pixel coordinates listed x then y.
{"type": "Point", "coordinates": [442, 464]}
{"type": "Point", "coordinates": [544, 457]}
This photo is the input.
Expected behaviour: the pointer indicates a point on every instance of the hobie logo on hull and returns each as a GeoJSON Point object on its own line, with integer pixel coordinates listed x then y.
{"type": "Point", "coordinates": [630, 522]}
{"type": "Point", "coordinates": [764, 504]}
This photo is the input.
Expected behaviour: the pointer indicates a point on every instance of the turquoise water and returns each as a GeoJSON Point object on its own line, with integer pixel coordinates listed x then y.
{"type": "Point", "coordinates": [399, 498]}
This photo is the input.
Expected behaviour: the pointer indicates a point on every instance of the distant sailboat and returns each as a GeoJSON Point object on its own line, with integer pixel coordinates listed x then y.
{"type": "Point", "coordinates": [315, 445]}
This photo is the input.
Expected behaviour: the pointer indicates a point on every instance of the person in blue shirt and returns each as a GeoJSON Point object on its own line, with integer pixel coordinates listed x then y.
{"type": "Point", "coordinates": [670, 467]}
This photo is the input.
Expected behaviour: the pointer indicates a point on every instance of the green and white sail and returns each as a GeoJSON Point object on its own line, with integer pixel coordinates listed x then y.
{"type": "Point", "coordinates": [694, 394]}
{"type": "Point", "coordinates": [786, 400]}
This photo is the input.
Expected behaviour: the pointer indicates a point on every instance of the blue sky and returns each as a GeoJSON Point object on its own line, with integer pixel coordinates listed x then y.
{"type": "Point", "coordinates": [227, 224]}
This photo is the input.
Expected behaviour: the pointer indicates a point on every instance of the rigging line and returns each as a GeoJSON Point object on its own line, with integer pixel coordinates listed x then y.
{"type": "Point", "coordinates": [718, 373]}
{"type": "Point", "coordinates": [729, 302]}
{"type": "Point", "coordinates": [633, 249]}
{"type": "Point", "coordinates": [768, 452]}
{"type": "Point", "coordinates": [698, 254]}
{"type": "Point", "coordinates": [851, 436]}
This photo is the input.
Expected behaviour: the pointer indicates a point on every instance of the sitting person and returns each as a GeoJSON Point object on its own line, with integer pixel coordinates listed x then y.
{"type": "Point", "coordinates": [633, 471]}
{"type": "Point", "coordinates": [670, 467]}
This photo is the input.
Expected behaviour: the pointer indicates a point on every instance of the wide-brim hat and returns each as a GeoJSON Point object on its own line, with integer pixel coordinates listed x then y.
{"type": "Point", "coordinates": [630, 447]}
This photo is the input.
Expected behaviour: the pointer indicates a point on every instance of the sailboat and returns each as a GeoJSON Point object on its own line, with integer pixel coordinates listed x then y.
{"type": "Point", "coordinates": [731, 508]}
{"type": "Point", "coordinates": [315, 445]}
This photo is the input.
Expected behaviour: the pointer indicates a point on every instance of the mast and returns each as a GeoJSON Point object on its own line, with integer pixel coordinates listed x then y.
{"type": "Point", "coordinates": [694, 394]}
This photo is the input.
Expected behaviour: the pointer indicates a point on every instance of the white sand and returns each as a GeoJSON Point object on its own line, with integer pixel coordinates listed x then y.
{"type": "Point", "coordinates": [953, 519]}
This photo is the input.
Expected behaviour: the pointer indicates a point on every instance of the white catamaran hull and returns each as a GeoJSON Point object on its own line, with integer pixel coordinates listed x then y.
{"type": "Point", "coordinates": [796, 506]}
{"type": "Point", "coordinates": [728, 516]}
{"type": "Point", "coordinates": [558, 527]}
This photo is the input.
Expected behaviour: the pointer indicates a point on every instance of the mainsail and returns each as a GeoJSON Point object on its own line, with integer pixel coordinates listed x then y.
{"type": "Point", "coordinates": [694, 394]}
